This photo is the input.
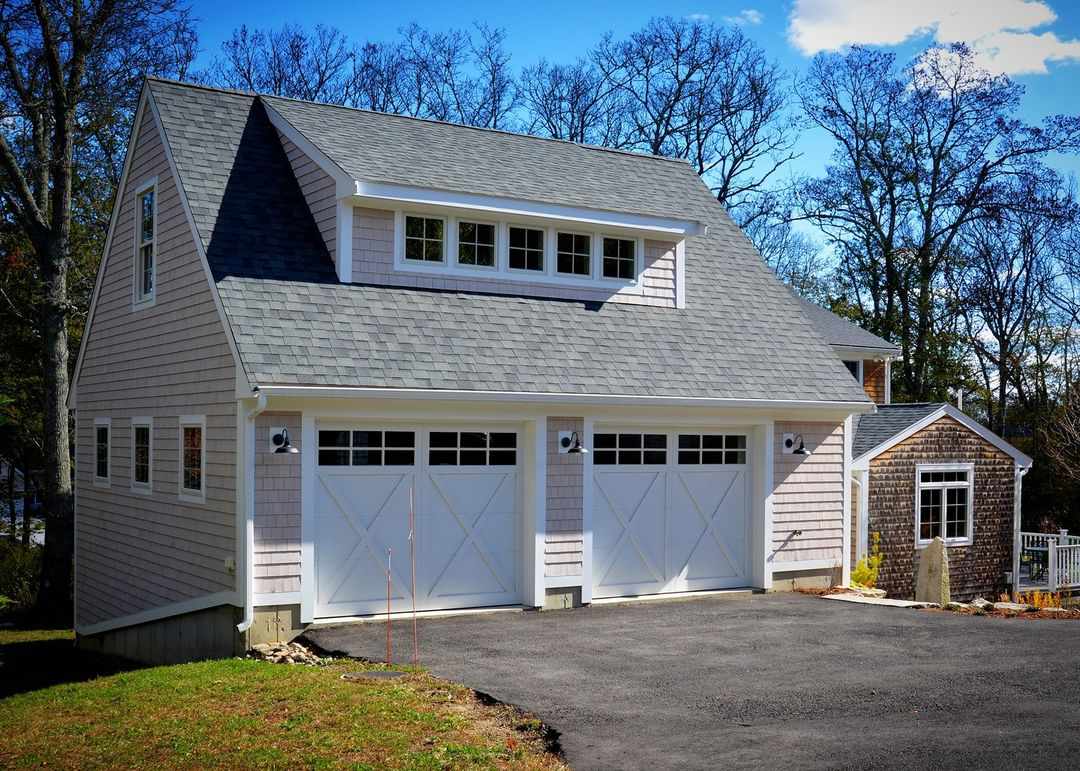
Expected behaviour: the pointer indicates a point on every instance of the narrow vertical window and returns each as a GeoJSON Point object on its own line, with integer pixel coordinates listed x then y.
{"type": "Point", "coordinates": [145, 246]}
{"type": "Point", "coordinates": [193, 457]}
{"type": "Point", "coordinates": [101, 450]}
{"type": "Point", "coordinates": [140, 453]}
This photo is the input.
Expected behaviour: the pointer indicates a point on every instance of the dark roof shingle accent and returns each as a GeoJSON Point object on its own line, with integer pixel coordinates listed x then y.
{"type": "Point", "coordinates": [840, 331]}
{"type": "Point", "coordinates": [295, 324]}
{"type": "Point", "coordinates": [872, 429]}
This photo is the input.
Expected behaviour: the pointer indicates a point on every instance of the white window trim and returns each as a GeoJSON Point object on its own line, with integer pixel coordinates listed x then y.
{"type": "Point", "coordinates": [451, 268]}
{"type": "Point", "coordinates": [105, 481]}
{"type": "Point", "coordinates": [148, 486]}
{"type": "Point", "coordinates": [859, 369]}
{"type": "Point", "coordinates": [921, 543]}
{"type": "Point", "coordinates": [139, 300]}
{"type": "Point", "coordinates": [399, 238]}
{"type": "Point", "coordinates": [195, 496]}
{"type": "Point", "coordinates": [451, 243]}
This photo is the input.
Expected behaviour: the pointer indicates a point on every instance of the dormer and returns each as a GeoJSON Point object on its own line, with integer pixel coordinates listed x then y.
{"type": "Point", "coordinates": [416, 203]}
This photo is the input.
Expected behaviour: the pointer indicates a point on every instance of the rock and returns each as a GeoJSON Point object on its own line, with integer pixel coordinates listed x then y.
{"type": "Point", "coordinates": [1054, 610]}
{"type": "Point", "coordinates": [981, 604]}
{"type": "Point", "coordinates": [932, 579]}
{"type": "Point", "coordinates": [1013, 607]}
{"type": "Point", "coordinates": [867, 591]}
{"type": "Point", "coordinates": [957, 606]}
{"type": "Point", "coordinates": [286, 653]}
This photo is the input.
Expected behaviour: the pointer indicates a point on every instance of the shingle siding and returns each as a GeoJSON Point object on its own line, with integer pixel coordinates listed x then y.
{"type": "Point", "coordinates": [874, 380]}
{"type": "Point", "coordinates": [563, 539]}
{"type": "Point", "coordinates": [320, 192]}
{"type": "Point", "coordinates": [277, 506]}
{"type": "Point", "coordinates": [138, 551]}
{"type": "Point", "coordinates": [809, 495]}
{"type": "Point", "coordinates": [973, 570]}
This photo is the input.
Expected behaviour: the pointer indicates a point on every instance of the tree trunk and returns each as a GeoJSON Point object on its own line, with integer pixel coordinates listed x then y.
{"type": "Point", "coordinates": [11, 497]}
{"type": "Point", "coordinates": [56, 571]}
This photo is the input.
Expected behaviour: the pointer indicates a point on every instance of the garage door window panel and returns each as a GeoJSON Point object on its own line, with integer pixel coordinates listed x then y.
{"type": "Point", "coordinates": [367, 448]}
{"type": "Point", "coordinates": [629, 449]}
{"type": "Point", "coordinates": [472, 448]}
{"type": "Point", "coordinates": [712, 449]}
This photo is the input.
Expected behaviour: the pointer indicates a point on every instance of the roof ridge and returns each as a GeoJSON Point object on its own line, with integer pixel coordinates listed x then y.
{"type": "Point", "coordinates": [433, 121]}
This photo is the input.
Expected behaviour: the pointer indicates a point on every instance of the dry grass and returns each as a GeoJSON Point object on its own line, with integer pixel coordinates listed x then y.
{"type": "Point", "coordinates": [250, 714]}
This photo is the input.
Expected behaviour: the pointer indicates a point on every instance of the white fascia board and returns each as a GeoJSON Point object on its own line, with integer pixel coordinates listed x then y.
{"type": "Point", "coordinates": [862, 463]}
{"type": "Point", "coordinates": [382, 194]}
{"type": "Point", "coordinates": [862, 352]}
{"type": "Point", "coordinates": [547, 397]}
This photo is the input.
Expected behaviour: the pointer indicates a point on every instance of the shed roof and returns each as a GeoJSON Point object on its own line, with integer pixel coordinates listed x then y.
{"type": "Point", "coordinates": [839, 331]}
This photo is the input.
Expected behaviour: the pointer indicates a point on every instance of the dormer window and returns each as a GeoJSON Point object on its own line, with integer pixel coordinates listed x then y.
{"type": "Point", "coordinates": [476, 244]}
{"type": "Point", "coordinates": [526, 249]}
{"type": "Point", "coordinates": [619, 259]}
{"type": "Point", "coordinates": [574, 254]}
{"type": "Point", "coordinates": [424, 238]}
{"type": "Point", "coordinates": [145, 273]}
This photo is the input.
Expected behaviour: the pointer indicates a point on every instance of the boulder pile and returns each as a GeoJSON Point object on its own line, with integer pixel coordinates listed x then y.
{"type": "Point", "coordinates": [286, 653]}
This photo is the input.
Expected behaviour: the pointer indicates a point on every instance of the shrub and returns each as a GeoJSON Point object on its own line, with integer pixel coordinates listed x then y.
{"type": "Point", "coordinates": [20, 568]}
{"type": "Point", "coordinates": [865, 572]}
{"type": "Point", "coordinates": [1039, 600]}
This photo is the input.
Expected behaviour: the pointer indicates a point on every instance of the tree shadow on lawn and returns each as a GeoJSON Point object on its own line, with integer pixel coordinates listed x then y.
{"type": "Point", "coordinates": [32, 658]}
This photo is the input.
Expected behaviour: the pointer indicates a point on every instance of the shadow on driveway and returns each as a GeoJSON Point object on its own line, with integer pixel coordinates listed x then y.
{"type": "Point", "coordinates": [778, 680]}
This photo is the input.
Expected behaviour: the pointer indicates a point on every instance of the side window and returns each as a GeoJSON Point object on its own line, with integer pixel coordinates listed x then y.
{"type": "Point", "coordinates": [193, 457]}
{"type": "Point", "coordinates": [141, 452]}
{"type": "Point", "coordinates": [146, 243]}
{"type": "Point", "coordinates": [102, 444]}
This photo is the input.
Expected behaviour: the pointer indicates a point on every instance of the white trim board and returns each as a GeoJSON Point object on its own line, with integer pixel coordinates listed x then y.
{"type": "Point", "coordinates": [164, 611]}
{"type": "Point", "coordinates": [279, 598]}
{"type": "Point", "coordinates": [946, 410]}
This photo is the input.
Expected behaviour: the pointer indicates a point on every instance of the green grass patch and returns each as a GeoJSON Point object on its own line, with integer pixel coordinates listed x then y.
{"type": "Point", "coordinates": [240, 713]}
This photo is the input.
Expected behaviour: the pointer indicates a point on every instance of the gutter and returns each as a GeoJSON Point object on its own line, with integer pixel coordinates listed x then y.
{"type": "Point", "coordinates": [249, 520]}
{"type": "Point", "coordinates": [356, 392]}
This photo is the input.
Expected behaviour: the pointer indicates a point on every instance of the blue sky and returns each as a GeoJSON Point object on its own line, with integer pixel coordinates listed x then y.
{"type": "Point", "coordinates": [1037, 42]}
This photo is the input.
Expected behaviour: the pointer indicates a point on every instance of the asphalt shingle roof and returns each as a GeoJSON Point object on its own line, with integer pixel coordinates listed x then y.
{"type": "Point", "coordinates": [871, 429]}
{"type": "Point", "coordinates": [741, 335]}
{"type": "Point", "coordinates": [840, 331]}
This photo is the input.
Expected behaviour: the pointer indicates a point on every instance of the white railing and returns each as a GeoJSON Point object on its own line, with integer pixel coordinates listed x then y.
{"type": "Point", "coordinates": [1050, 560]}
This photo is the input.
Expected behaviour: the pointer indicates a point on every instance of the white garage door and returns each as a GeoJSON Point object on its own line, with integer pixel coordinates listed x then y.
{"type": "Point", "coordinates": [671, 511]}
{"type": "Point", "coordinates": [468, 519]}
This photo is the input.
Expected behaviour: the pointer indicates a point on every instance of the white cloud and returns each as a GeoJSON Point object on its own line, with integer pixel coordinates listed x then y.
{"type": "Point", "coordinates": [702, 17]}
{"type": "Point", "coordinates": [1001, 32]}
{"type": "Point", "coordinates": [748, 16]}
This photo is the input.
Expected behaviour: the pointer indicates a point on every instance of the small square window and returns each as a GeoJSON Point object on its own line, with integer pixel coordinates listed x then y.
{"type": "Point", "coordinates": [619, 259]}
{"type": "Point", "coordinates": [476, 244]}
{"type": "Point", "coordinates": [423, 239]}
{"type": "Point", "coordinates": [526, 249]}
{"type": "Point", "coordinates": [573, 254]}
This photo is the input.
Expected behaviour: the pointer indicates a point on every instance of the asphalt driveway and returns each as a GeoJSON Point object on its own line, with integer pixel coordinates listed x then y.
{"type": "Point", "coordinates": [773, 681]}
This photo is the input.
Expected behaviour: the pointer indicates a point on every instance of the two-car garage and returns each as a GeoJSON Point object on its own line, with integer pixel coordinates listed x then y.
{"type": "Point", "coordinates": [670, 513]}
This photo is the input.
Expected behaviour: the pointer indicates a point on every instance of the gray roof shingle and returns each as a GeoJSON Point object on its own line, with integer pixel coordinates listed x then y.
{"type": "Point", "coordinates": [871, 429]}
{"type": "Point", "coordinates": [840, 331]}
{"type": "Point", "coordinates": [740, 335]}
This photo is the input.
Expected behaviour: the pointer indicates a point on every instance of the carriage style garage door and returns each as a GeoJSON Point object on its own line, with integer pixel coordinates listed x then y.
{"type": "Point", "coordinates": [465, 488]}
{"type": "Point", "coordinates": [671, 511]}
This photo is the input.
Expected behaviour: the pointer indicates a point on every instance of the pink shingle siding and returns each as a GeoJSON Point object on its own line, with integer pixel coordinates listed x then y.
{"type": "Point", "coordinates": [563, 540]}
{"type": "Point", "coordinates": [277, 507]}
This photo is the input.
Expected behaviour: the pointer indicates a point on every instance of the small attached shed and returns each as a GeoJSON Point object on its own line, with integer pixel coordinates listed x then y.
{"type": "Point", "coordinates": [921, 471]}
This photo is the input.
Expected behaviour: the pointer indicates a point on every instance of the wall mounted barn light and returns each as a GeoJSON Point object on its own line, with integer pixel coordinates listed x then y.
{"type": "Point", "coordinates": [794, 445]}
{"type": "Point", "coordinates": [281, 442]}
{"type": "Point", "coordinates": [570, 443]}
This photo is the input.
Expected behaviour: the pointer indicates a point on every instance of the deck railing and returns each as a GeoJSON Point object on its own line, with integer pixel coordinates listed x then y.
{"type": "Point", "coordinates": [1049, 560]}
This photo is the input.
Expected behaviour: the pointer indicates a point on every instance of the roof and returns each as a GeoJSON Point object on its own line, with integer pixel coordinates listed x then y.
{"type": "Point", "coordinates": [892, 423]}
{"type": "Point", "coordinates": [839, 331]}
{"type": "Point", "coordinates": [295, 324]}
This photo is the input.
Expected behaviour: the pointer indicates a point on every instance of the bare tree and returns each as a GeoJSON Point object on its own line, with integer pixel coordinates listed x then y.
{"type": "Point", "coordinates": [69, 69]}
{"type": "Point", "coordinates": [574, 102]}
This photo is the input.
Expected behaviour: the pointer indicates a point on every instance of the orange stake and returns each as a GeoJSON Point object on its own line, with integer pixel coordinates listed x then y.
{"type": "Point", "coordinates": [412, 557]}
{"type": "Point", "coordinates": [389, 646]}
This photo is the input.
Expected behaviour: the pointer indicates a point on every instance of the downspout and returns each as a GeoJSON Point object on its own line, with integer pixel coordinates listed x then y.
{"type": "Point", "coordinates": [249, 517]}
{"type": "Point", "coordinates": [1018, 488]}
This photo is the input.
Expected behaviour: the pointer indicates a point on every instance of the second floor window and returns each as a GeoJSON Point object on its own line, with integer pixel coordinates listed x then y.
{"type": "Point", "coordinates": [476, 244]}
{"type": "Point", "coordinates": [146, 258]}
{"type": "Point", "coordinates": [424, 239]}
{"type": "Point", "coordinates": [573, 254]}
{"type": "Point", "coordinates": [619, 260]}
{"type": "Point", "coordinates": [526, 249]}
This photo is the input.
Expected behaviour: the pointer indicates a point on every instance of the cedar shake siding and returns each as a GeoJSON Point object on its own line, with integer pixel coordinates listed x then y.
{"type": "Point", "coordinates": [373, 263]}
{"type": "Point", "coordinates": [976, 570]}
{"type": "Point", "coordinates": [141, 550]}
{"type": "Point", "coordinates": [808, 496]}
{"type": "Point", "coordinates": [277, 506]}
{"type": "Point", "coordinates": [874, 380]}
{"type": "Point", "coordinates": [563, 540]}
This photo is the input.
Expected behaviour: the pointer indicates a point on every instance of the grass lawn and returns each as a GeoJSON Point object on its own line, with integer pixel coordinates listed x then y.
{"type": "Point", "coordinates": [68, 709]}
